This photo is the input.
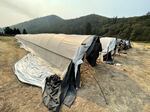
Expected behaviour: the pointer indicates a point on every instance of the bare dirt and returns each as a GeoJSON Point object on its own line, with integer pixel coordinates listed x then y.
{"type": "Point", "coordinates": [126, 87]}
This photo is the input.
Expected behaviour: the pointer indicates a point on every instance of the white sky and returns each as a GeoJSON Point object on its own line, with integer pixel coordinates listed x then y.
{"type": "Point", "coordinates": [16, 11]}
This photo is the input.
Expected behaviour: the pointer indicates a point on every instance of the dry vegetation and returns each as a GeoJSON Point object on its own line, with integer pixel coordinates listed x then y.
{"type": "Point", "coordinates": [126, 87]}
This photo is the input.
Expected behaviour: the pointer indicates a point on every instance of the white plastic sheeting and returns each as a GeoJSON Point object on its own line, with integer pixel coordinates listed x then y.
{"type": "Point", "coordinates": [108, 44]}
{"type": "Point", "coordinates": [50, 54]}
{"type": "Point", "coordinates": [33, 70]}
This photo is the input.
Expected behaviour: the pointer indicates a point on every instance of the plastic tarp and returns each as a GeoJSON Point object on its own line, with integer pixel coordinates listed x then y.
{"type": "Point", "coordinates": [108, 44]}
{"type": "Point", "coordinates": [33, 70]}
{"type": "Point", "coordinates": [56, 51]}
{"type": "Point", "coordinates": [123, 44]}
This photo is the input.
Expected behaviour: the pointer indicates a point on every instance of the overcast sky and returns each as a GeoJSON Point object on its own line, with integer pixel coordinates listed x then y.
{"type": "Point", "coordinates": [16, 11]}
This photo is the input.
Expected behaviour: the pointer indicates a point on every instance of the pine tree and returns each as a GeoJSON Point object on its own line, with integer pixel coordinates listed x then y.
{"type": "Point", "coordinates": [18, 31]}
{"type": "Point", "coordinates": [8, 30]}
{"type": "Point", "coordinates": [24, 31]}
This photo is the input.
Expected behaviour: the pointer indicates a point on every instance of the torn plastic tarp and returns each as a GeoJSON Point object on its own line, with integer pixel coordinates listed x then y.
{"type": "Point", "coordinates": [62, 54]}
{"type": "Point", "coordinates": [108, 48]}
{"type": "Point", "coordinates": [123, 44]}
{"type": "Point", "coordinates": [108, 44]}
{"type": "Point", "coordinates": [33, 70]}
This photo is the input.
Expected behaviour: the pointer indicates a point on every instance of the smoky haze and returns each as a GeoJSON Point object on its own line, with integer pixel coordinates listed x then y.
{"type": "Point", "coordinates": [17, 8]}
{"type": "Point", "coordinates": [16, 11]}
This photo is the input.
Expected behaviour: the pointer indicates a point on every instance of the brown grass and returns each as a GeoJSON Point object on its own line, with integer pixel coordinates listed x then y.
{"type": "Point", "coordinates": [126, 87]}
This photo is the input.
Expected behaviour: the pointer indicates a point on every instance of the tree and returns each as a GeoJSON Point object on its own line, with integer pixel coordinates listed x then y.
{"type": "Point", "coordinates": [8, 30]}
{"type": "Point", "coordinates": [148, 13]}
{"type": "Point", "coordinates": [88, 29]}
{"type": "Point", "coordinates": [24, 31]}
{"type": "Point", "coordinates": [14, 31]}
{"type": "Point", "coordinates": [114, 20]}
{"type": "Point", "coordinates": [18, 31]}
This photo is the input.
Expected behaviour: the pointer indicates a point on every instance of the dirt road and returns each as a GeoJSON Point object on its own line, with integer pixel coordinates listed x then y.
{"type": "Point", "coordinates": [126, 86]}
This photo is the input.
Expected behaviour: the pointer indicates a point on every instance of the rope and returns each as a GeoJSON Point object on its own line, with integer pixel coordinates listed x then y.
{"type": "Point", "coordinates": [99, 86]}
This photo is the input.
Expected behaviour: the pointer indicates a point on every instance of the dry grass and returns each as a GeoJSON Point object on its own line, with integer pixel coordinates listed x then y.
{"type": "Point", "coordinates": [126, 87]}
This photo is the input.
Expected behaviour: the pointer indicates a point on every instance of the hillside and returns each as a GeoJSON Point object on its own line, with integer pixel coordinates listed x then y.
{"type": "Point", "coordinates": [55, 24]}
{"type": "Point", "coordinates": [40, 25]}
{"type": "Point", "coordinates": [136, 28]}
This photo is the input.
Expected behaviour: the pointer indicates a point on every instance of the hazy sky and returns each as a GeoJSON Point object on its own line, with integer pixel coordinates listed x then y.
{"type": "Point", "coordinates": [16, 11]}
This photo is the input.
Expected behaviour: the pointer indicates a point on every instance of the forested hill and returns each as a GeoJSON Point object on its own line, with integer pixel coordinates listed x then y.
{"type": "Point", "coordinates": [135, 28]}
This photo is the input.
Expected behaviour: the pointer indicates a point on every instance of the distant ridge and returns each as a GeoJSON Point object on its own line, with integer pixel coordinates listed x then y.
{"type": "Point", "coordinates": [56, 24]}
{"type": "Point", "coordinates": [137, 28]}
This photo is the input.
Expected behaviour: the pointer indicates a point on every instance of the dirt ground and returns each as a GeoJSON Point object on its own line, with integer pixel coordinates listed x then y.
{"type": "Point", "coordinates": [126, 85]}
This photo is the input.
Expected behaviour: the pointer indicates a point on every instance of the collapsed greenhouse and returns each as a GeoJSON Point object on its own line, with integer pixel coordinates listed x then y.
{"type": "Point", "coordinates": [112, 46]}
{"type": "Point", "coordinates": [108, 48]}
{"type": "Point", "coordinates": [54, 64]}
